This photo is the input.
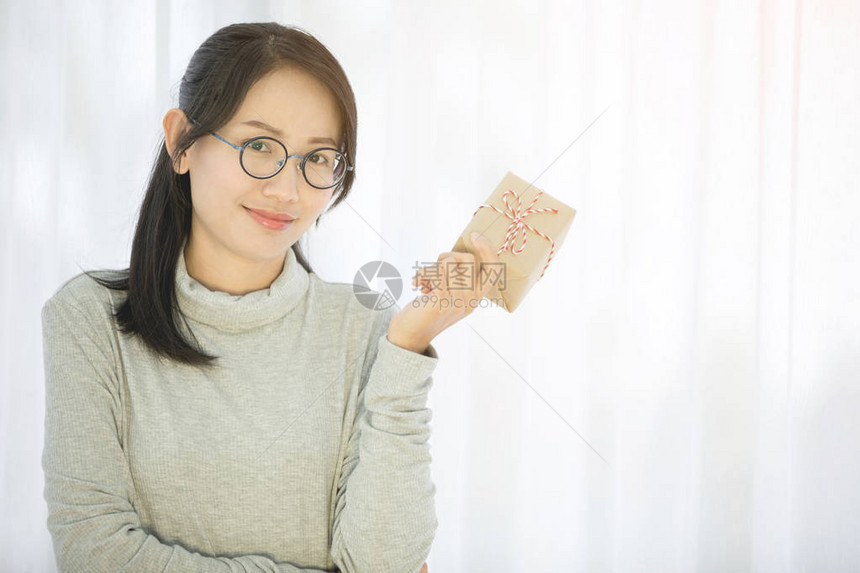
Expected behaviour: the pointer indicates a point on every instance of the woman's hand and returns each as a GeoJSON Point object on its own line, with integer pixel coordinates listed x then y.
{"type": "Point", "coordinates": [439, 306]}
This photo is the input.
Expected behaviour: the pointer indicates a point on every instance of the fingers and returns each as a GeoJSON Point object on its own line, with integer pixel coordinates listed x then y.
{"type": "Point", "coordinates": [419, 280]}
{"type": "Point", "coordinates": [488, 254]}
{"type": "Point", "coordinates": [485, 248]}
{"type": "Point", "coordinates": [435, 277]}
{"type": "Point", "coordinates": [430, 278]}
{"type": "Point", "coordinates": [450, 254]}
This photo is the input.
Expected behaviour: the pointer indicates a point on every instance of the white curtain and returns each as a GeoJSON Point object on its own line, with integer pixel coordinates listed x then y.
{"type": "Point", "coordinates": [680, 392]}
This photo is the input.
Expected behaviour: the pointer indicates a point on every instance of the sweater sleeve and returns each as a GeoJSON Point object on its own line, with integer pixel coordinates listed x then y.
{"type": "Point", "coordinates": [88, 483]}
{"type": "Point", "coordinates": [385, 518]}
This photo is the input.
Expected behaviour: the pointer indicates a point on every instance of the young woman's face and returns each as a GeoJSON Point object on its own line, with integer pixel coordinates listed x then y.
{"type": "Point", "coordinates": [307, 115]}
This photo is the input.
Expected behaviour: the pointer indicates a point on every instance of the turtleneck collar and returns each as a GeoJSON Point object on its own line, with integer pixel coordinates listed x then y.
{"type": "Point", "coordinates": [235, 313]}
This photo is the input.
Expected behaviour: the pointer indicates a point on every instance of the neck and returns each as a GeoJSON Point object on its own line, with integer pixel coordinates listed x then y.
{"type": "Point", "coordinates": [223, 271]}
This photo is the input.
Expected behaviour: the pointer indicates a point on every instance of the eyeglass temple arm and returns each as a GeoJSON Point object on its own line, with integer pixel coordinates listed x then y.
{"type": "Point", "coordinates": [195, 122]}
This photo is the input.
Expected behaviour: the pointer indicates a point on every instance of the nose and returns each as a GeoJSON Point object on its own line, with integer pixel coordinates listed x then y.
{"type": "Point", "coordinates": [285, 185]}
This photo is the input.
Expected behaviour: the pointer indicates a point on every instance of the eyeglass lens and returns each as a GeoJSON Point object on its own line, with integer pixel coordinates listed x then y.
{"type": "Point", "coordinates": [264, 156]}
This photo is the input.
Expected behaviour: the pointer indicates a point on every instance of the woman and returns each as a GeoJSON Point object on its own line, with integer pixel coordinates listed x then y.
{"type": "Point", "coordinates": [217, 406]}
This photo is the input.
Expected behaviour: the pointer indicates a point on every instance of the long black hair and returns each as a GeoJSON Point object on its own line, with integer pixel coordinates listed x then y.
{"type": "Point", "coordinates": [219, 75]}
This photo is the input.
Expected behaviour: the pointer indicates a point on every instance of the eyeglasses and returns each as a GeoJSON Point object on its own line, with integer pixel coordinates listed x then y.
{"type": "Point", "coordinates": [263, 157]}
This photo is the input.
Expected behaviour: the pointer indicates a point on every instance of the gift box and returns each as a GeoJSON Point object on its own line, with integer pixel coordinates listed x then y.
{"type": "Point", "coordinates": [528, 227]}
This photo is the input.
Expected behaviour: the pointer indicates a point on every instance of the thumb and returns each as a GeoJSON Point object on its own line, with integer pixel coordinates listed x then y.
{"type": "Point", "coordinates": [484, 246]}
{"type": "Point", "coordinates": [487, 254]}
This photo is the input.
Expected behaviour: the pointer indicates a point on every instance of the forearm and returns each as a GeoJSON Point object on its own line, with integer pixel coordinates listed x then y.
{"type": "Point", "coordinates": [403, 340]}
{"type": "Point", "coordinates": [384, 516]}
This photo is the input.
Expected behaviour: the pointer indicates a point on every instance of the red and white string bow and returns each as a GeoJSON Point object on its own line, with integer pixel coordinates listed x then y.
{"type": "Point", "coordinates": [516, 215]}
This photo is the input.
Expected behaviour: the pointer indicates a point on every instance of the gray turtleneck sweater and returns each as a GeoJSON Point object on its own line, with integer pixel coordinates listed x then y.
{"type": "Point", "coordinates": [307, 449]}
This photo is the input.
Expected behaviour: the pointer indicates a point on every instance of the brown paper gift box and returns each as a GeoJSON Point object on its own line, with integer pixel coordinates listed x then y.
{"type": "Point", "coordinates": [524, 263]}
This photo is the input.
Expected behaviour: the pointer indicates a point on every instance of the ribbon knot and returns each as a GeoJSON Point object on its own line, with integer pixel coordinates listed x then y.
{"type": "Point", "coordinates": [517, 216]}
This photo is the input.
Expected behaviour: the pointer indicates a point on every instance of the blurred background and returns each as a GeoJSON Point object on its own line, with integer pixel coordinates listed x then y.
{"type": "Point", "coordinates": [680, 392]}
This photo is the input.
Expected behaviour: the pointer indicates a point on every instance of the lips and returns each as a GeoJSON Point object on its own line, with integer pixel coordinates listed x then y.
{"type": "Point", "coordinates": [273, 215]}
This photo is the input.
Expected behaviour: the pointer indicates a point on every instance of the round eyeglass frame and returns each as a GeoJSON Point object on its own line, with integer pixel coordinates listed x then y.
{"type": "Point", "coordinates": [301, 166]}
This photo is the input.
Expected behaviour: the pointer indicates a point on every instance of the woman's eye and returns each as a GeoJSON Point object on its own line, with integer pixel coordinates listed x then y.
{"type": "Point", "coordinates": [318, 158]}
{"type": "Point", "coordinates": [256, 145]}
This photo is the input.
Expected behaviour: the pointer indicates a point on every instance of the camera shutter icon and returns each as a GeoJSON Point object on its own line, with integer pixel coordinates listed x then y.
{"type": "Point", "coordinates": [388, 277]}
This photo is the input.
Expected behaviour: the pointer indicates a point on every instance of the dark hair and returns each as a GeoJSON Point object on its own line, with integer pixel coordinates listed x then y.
{"type": "Point", "coordinates": [222, 70]}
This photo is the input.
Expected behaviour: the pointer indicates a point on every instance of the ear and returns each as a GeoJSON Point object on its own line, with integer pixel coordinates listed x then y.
{"type": "Point", "coordinates": [175, 125]}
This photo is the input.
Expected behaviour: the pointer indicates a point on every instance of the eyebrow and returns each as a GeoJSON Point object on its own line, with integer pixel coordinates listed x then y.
{"type": "Point", "coordinates": [279, 133]}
